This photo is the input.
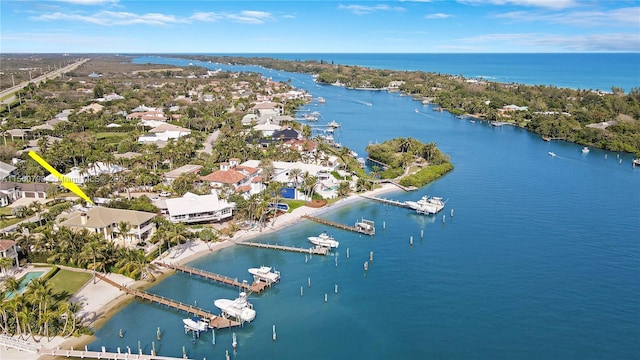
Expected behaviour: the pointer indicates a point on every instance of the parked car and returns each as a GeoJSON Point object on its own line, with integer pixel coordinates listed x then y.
{"type": "Point", "coordinates": [164, 193]}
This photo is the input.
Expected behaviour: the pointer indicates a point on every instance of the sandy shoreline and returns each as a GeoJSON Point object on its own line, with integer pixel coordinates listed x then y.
{"type": "Point", "coordinates": [101, 300]}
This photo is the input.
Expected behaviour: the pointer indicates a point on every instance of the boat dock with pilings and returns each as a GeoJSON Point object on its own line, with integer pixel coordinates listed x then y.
{"type": "Point", "coordinates": [215, 321]}
{"type": "Point", "coordinates": [318, 250]}
{"type": "Point", "coordinates": [387, 201]}
{"type": "Point", "coordinates": [341, 226]}
{"type": "Point", "coordinates": [256, 287]}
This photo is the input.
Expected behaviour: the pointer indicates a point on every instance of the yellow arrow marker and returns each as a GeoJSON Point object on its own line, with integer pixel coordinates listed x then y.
{"type": "Point", "coordinates": [66, 182]}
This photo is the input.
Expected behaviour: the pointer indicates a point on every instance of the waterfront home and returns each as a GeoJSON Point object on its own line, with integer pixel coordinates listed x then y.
{"type": "Point", "coordinates": [147, 115]}
{"type": "Point", "coordinates": [106, 221]}
{"type": "Point", "coordinates": [9, 250]}
{"type": "Point", "coordinates": [234, 175]}
{"type": "Point", "coordinates": [192, 208]}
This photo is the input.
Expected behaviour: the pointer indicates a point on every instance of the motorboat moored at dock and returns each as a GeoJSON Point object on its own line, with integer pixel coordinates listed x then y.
{"type": "Point", "coordinates": [264, 273]}
{"type": "Point", "coordinates": [195, 324]}
{"type": "Point", "coordinates": [324, 240]}
{"type": "Point", "coordinates": [426, 205]}
{"type": "Point", "coordinates": [239, 309]}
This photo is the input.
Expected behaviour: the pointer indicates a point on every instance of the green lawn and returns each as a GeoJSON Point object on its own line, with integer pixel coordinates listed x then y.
{"type": "Point", "coordinates": [67, 281]}
{"type": "Point", "coordinates": [293, 204]}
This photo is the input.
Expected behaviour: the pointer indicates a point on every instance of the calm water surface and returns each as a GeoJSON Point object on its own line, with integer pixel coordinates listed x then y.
{"type": "Point", "coordinates": [540, 260]}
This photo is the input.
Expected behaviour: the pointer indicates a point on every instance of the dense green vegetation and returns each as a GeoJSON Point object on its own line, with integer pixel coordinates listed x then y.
{"type": "Point", "coordinates": [402, 154]}
{"type": "Point", "coordinates": [552, 112]}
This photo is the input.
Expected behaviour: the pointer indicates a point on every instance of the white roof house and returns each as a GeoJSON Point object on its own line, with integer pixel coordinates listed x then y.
{"type": "Point", "coordinates": [192, 208]}
{"type": "Point", "coordinates": [164, 132]}
{"type": "Point", "coordinates": [80, 176]}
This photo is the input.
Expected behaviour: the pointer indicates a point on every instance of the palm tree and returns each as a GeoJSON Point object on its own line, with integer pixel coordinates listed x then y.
{"type": "Point", "coordinates": [5, 263]}
{"type": "Point", "coordinates": [294, 175]}
{"type": "Point", "coordinates": [209, 236]}
{"type": "Point", "coordinates": [123, 231]}
{"type": "Point", "coordinates": [343, 189]}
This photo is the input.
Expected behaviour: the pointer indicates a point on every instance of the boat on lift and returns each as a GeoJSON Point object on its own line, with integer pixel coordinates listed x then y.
{"type": "Point", "coordinates": [195, 324]}
{"type": "Point", "coordinates": [239, 309]}
{"type": "Point", "coordinates": [264, 273]}
{"type": "Point", "coordinates": [324, 240]}
{"type": "Point", "coordinates": [427, 205]}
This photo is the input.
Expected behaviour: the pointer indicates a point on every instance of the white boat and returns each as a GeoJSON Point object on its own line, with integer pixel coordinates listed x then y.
{"type": "Point", "coordinates": [551, 153]}
{"type": "Point", "coordinates": [324, 240]}
{"type": "Point", "coordinates": [362, 162]}
{"type": "Point", "coordinates": [321, 100]}
{"type": "Point", "coordinates": [264, 273]}
{"type": "Point", "coordinates": [333, 124]}
{"type": "Point", "coordinates": [195, 324]}
{"type": "Point", "coordinates": [239, 309]}
{"type": "Point", "coordinates": [427, 205]}
{"type": "Point", "coordinates": [636, 162]}
{"type": "Point", "coordinates": [585, 150]}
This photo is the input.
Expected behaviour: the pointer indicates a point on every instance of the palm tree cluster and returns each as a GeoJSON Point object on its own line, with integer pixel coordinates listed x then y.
{"type": "Point", "coordinates": [38, 311]}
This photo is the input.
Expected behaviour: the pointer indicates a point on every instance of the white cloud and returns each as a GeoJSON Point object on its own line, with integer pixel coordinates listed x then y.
{"type": "Point", "coordinates": [111, 18]}
{"type": "Point", "coordinates": [551, 4]}
{"type": "Point", "coordinates": [628, 42]}
{"type": "Point", "coordinates": [629, 16]}
{"type": "Point", "coordinates": [88, 2]}
{"type": "Point", "coordinates": [438, 16]}
{"type": "Point", "coordinates": [364, 9]}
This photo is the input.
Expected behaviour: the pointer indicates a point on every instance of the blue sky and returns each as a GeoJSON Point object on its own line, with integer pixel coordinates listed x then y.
{"type": "Point", "coordinates": [421, 26]}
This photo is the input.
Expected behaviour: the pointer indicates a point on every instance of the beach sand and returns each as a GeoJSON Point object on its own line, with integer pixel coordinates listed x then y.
{"type": "Point", "coordinates": [99, 299]}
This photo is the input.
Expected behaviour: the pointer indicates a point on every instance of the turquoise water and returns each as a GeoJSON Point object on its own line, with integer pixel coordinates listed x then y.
{"type": "Point", "coordinates": [24, 282]}
{"type": "Point", "coordinates": [540, 260]}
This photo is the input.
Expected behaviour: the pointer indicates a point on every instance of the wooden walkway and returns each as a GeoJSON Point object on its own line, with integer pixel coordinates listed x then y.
{"type": "Point", "coordinates": [80, 354]}
{"type": "Point", "coordinates": [387, 181]}
{"type": "Point", "coordinates": [339, 226]}
{"type": "Point", "coordinates": [387, 201]}
{"type": "Point", "coordinates": [318, 250]}
{"type": "Point", "coordinates": [256, 287]}
{"type": "Point", "coordinates": [215, 321]}
{"type": "Point", "coordinates": [34, 348]}
{"type": "Point", "coordinates": [379, 163]}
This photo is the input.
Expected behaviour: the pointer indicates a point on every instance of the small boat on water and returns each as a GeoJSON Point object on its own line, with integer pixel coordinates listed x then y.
{"type": "Point", "coordinates": [552, 154]}
{"type": "Point", "coordinates": [195, 324]}
{"type": "Point", "coordinates": [585, 150]}
{"type": "Point", "coordinates": [239, 309]}
{"type": "Point", "coordinates": [636, 162]}
{"type": "Point", "coordinates": [333, 124]}
{"type": "Point", "coordinates": [427, 205]}
{"type": "Point", "coordinates": [324, 240]}
{"type": "Point", "coordinates": [264, 273]}
{"type": "Point", "coordinates": [321, 100]}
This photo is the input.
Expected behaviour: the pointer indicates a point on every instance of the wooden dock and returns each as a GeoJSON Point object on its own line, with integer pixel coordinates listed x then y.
{"type": "Point", "coordinates": [80, 354]}
{"type": "Point", "coordinates": [34, 348]}
{"type": "Point", "coordinates": [256, 287]}
{"type": "Point", "coordinates": [339, 226]}
{"type": "Point", "coordinates": [382, 165]}
{"type": "Point", "coordinates": [387, 201]}
{"type": "Point", "coordinates": [215, 321]}
{"type": "Point", "coordinates": [318, 250]}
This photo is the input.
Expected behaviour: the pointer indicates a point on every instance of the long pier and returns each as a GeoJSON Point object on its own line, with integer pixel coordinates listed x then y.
{"type": "Point", "coordinates": [379, 163]}
{"type": "Point", "coordinates": [387, 201]}
{"type": "Point", "coordinates": [23, 345]}
{"type": "Point", "coordinates": [256, 287]}
{"type": "Point", "coordinates": [215, 321]}
{"type": "Point", "coordinates": [318, 250]}
{"type": "Point", "coordinates": [339, 226]}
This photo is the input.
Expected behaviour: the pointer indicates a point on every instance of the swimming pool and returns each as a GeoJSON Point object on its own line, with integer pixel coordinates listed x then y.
{"type": "Point", "coordinates": [24, 281]}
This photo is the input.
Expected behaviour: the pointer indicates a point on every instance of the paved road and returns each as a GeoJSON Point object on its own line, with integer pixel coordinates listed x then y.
{"type": "Point", "coordinates": [208, 144]}
{"type": "Point", "coordinates": [38, 80]}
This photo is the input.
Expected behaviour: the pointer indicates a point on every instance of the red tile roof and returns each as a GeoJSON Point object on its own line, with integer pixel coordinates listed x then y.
{"type": "Point", "coordinates": [6, 244]}
{"type": "Point", "coordinates": [230, 176]}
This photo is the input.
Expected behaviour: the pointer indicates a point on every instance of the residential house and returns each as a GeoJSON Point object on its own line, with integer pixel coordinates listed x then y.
{"type": "Point", "coordinates": [6, 170]}
{"type": "Point", "coordinates": [11, 191]}
{"type": "Point", "coordinates": [8, 249]}
{"type": "Point", "coordinates": [106, 222]}
{"type": "Point", "coordinates": [164, 132]}
{"type": "Point", "coordinates": [92, 108]}
{"type": "Point", "coordinates": [235, 175]}
{"type": "Point", "coordinates": [182, 170]}
{"type": "Point", "coordinates": [80, 176]}
{"type": "Point", "coordinates": [192, 208]}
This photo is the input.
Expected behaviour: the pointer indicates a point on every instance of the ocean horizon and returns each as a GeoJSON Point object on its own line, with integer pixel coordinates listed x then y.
{"type": "Point", "coordinates": [533, 256]}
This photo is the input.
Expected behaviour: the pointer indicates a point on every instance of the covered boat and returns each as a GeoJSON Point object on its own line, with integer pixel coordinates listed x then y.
{"type": "Point", "coordinates": [264, 273]}
{"type": "Point", "coordinates": [239, 309]}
